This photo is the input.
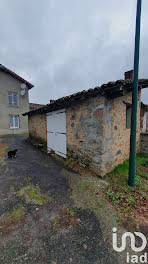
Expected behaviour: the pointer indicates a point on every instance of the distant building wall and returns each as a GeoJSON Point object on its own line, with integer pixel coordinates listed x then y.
{"type": "Point", "coordinates": [10, 84]}
{"type": "Point", "coordinates": [144, 118]}
{"type": "Point", "coordinates": [145, 122]}
{"type": "Point", "coordinates": [33, 106]}
{"type": "Point", "coordinates": [144, 143]}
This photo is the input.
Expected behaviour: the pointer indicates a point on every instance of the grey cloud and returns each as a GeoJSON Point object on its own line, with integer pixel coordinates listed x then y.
{"type": "Point", "coordinates": [67, 46]}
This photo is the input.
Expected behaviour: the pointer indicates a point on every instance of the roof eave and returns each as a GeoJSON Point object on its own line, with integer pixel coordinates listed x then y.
{"type": "Point", "coordinates": [110, 90]}
{"type": "Point", "coordinates": [30, 85]}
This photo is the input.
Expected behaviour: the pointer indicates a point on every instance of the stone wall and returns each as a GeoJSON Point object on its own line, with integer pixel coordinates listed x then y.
{"type": "Point", "coordinates": [96, 132]}
{"type": "Point", "coordinates": [116, 135]}
{"type": "Point", "coordinates": [37, 126]}
{"type": "Point", "coordinates": [144, 143]}
{"type": "Point", "coordinates": [85, 132]}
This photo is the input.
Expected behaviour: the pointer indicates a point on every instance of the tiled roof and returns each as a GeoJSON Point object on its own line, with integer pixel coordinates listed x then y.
{"type": "Point", "coordinates": [109, 90]}
{"type": "Point", "coordinates": [3, 68]}
{"type": "Point", "coordinates": [35, 106]}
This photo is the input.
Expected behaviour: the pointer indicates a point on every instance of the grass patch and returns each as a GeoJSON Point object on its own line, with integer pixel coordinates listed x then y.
{"type": "Point", "coordinates": [32, 194]}
{"type": "Point", "coordinates": [121, 169]}
{"type": "Point", "coordinates": [142, 160]}
{"type": "Point", "coordinates": [3, 148]}
{"type": "Point", "coordinates": [13, 135]}
{"type": "Point", "coordinates": [17, 214]}
{"type": "Point", "coordinates": [129, 201]}
{"type": "Point", "coordinates": [8, 221]}
{"type": "Point", "coordinates": [144, 175]}
{"type": "Point", "coordinates": [119, 175]}
{"type": "Point", "coordinates": [28, 180]}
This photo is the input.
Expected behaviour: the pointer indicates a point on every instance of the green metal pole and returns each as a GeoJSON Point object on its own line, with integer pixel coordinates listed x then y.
{"type": "Point", "coordinates": [132, 160]}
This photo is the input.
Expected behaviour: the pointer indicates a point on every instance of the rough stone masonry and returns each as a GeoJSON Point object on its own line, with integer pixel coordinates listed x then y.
{"type": "Point", "coordinates": [96, 132]}
{"type": "Point", "coordinates": [144, 143]}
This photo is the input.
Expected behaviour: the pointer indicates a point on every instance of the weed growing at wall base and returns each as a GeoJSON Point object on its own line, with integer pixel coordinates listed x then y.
{"type": "Point", "coordinates": [129, 202]}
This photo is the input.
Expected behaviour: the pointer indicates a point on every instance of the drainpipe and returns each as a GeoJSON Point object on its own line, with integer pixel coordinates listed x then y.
{"type": "Point", "coordinates": [132, 159]}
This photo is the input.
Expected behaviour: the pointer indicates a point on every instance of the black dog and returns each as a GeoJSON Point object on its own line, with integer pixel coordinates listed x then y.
{"type": "Point", "coordinates": [12, 154]}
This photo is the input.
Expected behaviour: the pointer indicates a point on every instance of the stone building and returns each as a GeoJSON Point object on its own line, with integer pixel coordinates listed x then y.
{"type": "Point", "coordinates": [13, 102]}
{"type": "Point", "coordinates": [144, 128]}
{"type": "Point", "coordinates": [144, 118]}
{"type": "Point", "coordinates": [91, 126]}
{"type": "Point", "coordinates": [33, 106]}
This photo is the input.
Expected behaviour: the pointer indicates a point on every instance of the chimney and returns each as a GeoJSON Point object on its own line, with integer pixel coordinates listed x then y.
{"type": "Point", "coordinates": [128, 75]}
{"type": "Point", "coordinates": [51, 101]}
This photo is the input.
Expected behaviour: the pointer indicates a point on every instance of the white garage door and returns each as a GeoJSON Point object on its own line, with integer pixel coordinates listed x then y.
{"type": "Point", "coordinates": [56, 132]}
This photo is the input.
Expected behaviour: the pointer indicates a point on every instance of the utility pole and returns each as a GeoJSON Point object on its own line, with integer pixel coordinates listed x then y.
{"type": "Point", "coordinates": [132, 159]}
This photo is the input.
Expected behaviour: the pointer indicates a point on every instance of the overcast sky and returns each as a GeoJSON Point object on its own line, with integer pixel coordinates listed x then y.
{"type": "Point", "coordinates": [65, 46]}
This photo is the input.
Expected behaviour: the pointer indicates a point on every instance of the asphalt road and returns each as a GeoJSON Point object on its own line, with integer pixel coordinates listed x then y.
{"type": "Point", "coordinates": [54, 232]}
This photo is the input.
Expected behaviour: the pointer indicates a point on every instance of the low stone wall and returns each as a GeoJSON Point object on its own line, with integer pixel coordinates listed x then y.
{"type": "Point", "coordinates": [144, 143]}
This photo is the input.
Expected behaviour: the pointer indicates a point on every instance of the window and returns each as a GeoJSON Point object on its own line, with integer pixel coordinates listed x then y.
{"type": "Point", "coordinates": [128, 116]}
{"type": "Point", "coordinates": [14, 121]}
{"type": "Point", "coordinates": [12, 99]}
